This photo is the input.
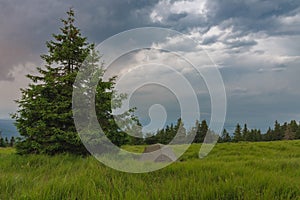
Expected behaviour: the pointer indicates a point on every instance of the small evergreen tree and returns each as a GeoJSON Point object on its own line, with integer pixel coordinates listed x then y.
{"type": "Point", "coordinates": [245, 134]}
{"type": "Point", "coordinates": [225, 136]}
{"type": "Point", "coordinates": [255, 135]}
{"type": "Point", "coordinates": [2, 143]}
{"type": "Point", "coordinates": [1, 140]}
{"type": "Point", "coordinates": [237, 134]}
{"type": "Point", "coordinates": [12, 141]}
{"type": "Point", "coordinates": [268, 136]}
{"type": "Point", "coordinates": [201, 131]}
{"type": "Point", "coordinates": [168, 134]}
{"type": "Point", "coordinates": [196, 131]}
{"type": "Point", "coordinates": [6, 143]}
{"type": "Point", "coordinates": [136, 136]}
{"type": "Point", "coordinates": [160, 136]}
{"type": "Point", "coordinates": [298, 132]}
{"type": "Point", "coordinates": [150, 139]}
{"type": "Point", "coordinates": [278, 132]}
{"type": "Point", "coordinates": [179, 134]}
{"type": "Point", "coordinates": [289, 133]}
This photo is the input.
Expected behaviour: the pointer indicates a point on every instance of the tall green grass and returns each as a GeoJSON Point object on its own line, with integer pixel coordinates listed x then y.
{"type": "Point", "coordinates": [265, 170]}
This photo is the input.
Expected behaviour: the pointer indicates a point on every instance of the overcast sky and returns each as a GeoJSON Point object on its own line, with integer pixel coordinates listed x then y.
{"type": "Point", "coordinates": [255, 45]}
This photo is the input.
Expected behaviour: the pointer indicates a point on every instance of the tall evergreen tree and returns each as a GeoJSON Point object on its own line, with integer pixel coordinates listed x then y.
{"type": "Point", "coordinates": [45, 118]}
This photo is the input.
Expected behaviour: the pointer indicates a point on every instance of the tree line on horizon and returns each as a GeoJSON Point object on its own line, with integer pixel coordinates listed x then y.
{"type": "Point", "coordinates": [4, 142]}
{"type": "Point", "coordinates": [285, 131]}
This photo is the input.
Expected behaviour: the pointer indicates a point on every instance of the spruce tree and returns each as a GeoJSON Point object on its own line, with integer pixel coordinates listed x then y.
{"type": "Point", "coordinates": [201, 131]}
{"type": "Point", "coordinates": [160, 136]}
{"type": "Point", "coordinates": [237, 134]}
{"type": "Point", "coordinates": [269, 135]}
{"type": "Point", "coordinates": [246, 135]}
{"type": "Point", "coordinates": [179, 134]}
{"type": "Point", "coordinates": [2, 144]}
{"type": "Point", "coordinates": [298, 132]}
{"type": "Point", "coordinates": [290, 133]}
{"type": "Point", "coordinates": [135, 134]}
{"type": "Point", "coordinates": [225, 137]}
{"type": "Point", "coordinates": [12, 141]}
{"type": "Point", "coordinates": [150, 139]}
{"type": "Point", "coordinates": [278, 131]}
{"type": "Point", "coordinates": [45, 118]}
{"type": "Point", "coordinates": [6, 143]}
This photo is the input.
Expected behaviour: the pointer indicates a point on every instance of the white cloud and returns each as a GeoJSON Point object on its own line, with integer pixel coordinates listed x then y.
{"type": "Point", "coordinates": [165, 9]}
{"type": "Point", "coordinates": [155, 17]}
{"type": "Point", "coordinates": [196, 7]}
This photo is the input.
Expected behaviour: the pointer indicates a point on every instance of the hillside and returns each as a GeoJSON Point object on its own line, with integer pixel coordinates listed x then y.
{"type": "Point", "coordinates": [262, 170]}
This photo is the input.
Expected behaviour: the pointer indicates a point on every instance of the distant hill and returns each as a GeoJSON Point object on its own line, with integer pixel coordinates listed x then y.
{"type": "Point", "coordinates": [8, 128]}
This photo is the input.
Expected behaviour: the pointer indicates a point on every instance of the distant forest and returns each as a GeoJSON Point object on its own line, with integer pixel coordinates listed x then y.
{"type": "Point", "coordinates": [285, 131]}
{"type": "Point", "coordinates": [4, 142]}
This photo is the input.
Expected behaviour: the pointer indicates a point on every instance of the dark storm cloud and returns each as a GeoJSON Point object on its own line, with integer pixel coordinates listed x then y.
{"type": "Point", "coordinates": [210, 40]}
{"type": "Point", "coordinates": [240, 43]}
{"type": "Point", "coordinates": [253, 16]}
{"type": "Point", "coordinates": [27, 25]}
{"type": "Point", "coordinates": [102, 19]}
{"type": "Point", "coordinates": [176, 17]}
{"type": "Point", "coordinates": [244, 17]}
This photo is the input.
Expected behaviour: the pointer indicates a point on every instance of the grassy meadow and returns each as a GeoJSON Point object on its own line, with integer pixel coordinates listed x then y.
{"type": "Point", "coordinates": [262, 170]}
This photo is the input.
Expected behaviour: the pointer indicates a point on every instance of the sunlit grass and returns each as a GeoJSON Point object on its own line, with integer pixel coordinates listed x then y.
{"type": "Point", "coordinates": [264, 170]}
{"type": "Point", "coordinates": [8, 150]}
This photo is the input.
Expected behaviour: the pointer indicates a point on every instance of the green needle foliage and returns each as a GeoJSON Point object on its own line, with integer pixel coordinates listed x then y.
{"type": "Point", "coordinates": [45, 118]}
